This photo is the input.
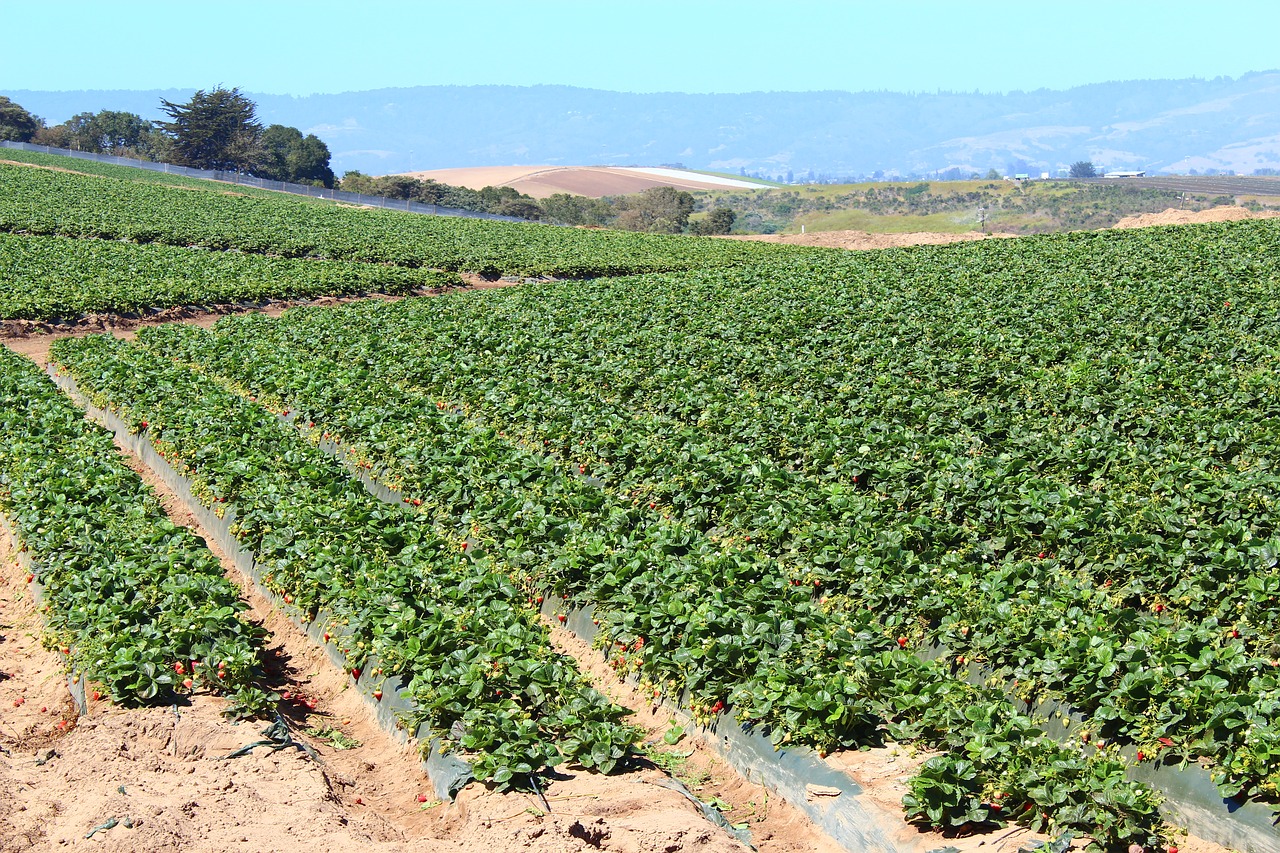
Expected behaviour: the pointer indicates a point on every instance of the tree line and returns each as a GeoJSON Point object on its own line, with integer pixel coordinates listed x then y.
{"type": "Point", "coordinates": [219, 130]}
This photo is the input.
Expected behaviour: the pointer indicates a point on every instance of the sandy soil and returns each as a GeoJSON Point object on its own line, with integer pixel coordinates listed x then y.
{"type": "Point", "coordinates": [1173, 216]}
{"type": "Point", "coordinates": [544, 181]}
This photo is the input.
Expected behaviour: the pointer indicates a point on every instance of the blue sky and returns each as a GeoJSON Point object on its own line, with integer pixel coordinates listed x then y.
{"type": "Point", "coordinates": [299, 48]}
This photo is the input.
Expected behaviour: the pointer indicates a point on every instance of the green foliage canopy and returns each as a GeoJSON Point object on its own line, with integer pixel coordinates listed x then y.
{"type": "Point", "coordinates": [16, 124]}
{"type": "Point", "coordinates": [218, 129]}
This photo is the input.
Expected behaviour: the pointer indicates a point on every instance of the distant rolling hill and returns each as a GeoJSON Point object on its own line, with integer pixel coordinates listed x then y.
{"type": "Point", "coordinates": [594, 181]}
{"type": "Point", "coordinates": [1154, 125]}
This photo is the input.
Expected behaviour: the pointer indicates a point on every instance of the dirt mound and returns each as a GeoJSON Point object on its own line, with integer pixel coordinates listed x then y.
{"type": "Point", "coordinates": [1173, 216]}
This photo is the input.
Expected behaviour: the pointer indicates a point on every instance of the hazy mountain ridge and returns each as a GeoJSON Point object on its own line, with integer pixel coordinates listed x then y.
{"type": "Point", "coordinates": [1157, 125]}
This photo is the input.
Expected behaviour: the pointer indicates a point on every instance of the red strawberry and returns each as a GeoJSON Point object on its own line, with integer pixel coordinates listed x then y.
{"type": "Point", "coordinates": [377, 694]}
{"type": "Point", "coordinates": [563, 618]}
{"type": "Point", "coordinates": [902, 642]}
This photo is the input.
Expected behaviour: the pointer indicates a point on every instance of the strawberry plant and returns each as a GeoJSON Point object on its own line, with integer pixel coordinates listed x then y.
{"type": "Point", "coordinates": [43, 277]}
{"type": "Point", "coordinates": [476, 660]}
{"type": "Point", "coordinates": [128, 595]}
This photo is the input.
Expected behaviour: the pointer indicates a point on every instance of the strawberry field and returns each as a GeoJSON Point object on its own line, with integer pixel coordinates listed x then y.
{"type": "Point", "coordinates": [906, 496]}
{"type": "Point", "coordinates": [45, 278]}
{"type": "Point", "coordinates": [1014, 501]}
{"type": "Point", "coordinates": [47, 202]}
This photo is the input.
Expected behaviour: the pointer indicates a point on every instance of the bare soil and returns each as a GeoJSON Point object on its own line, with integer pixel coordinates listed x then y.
{"type": "Point", "coordinates": [1174, 216]}
{"type": "Point", "coordinates": [545, 181]}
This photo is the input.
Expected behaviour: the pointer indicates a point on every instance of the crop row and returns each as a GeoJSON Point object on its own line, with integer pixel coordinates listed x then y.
{"type": "Point", "coordinates": [729, 623]}
{"type": "Point", "coordinates": [1053, 458]}
{"type": "Point", "coordinates": [44, 278]}
{"type": "Point", "coordinates": [42, 201]}
{"type": "Point", "coordinates": [398, 588]}
{"type": "Point", "coordinates": [137, 603]}
{"type": "Point", "coordinates": [1087, 514]}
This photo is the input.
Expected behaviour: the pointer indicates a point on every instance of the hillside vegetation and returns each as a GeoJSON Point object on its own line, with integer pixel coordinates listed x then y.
{"type": "Point", "coordinates": [953, 206]}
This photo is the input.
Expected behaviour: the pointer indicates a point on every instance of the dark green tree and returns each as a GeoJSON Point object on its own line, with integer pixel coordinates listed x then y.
{"type": "Point", "coordinates": [718, 221]}
{"type": "Point", "coordinates": [286, 155]}
{"type": "Point", "coordinates": [569, 209]}
{"type": "Point", "coordinates": [114, 131]}
{"type": "Point", "coordinates": [1083, 169]}
{"type": "Point", "coordinates": [661, 210]}
{"type": "Point", "coordinates": [214, 130]}
{"type": "Point", "coordinates": [16, 124]}
{"type": "Point", "coordinates": [109, 131]}
{"type": "Point", "coordinates": [523, 208]}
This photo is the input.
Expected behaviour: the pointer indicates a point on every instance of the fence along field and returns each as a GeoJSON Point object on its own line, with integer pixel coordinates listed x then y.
{"type": "Point", "coordinates": [1049, 457]}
